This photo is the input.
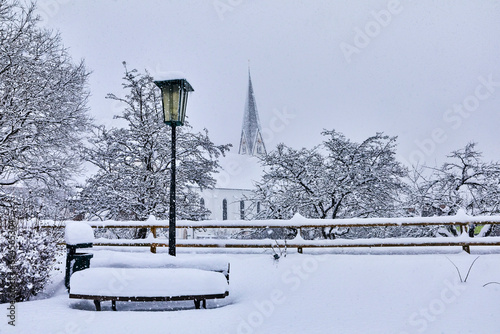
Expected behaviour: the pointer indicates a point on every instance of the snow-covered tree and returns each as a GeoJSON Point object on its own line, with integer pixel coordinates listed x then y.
{"type": "Point", "coordinates": [464, 182]}
{"type": "Point", "coordinates": [43, 119]}
{"type": "Point", "coordinates": [133, 176]}
{"type": "Point", "coordinates": [336, 179]}
{"type": "Point", "coordinates": [43, 114]}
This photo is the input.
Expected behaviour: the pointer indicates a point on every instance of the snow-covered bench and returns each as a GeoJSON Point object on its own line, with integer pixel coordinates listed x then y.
{"type": "Point", "coordinates": [148, 284]}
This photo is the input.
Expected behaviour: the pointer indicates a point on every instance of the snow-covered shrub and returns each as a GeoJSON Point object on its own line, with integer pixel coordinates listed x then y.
{"type": "Point", "coordinates": [265, 233]}
{"type": "Point", "coordinates": [121, 233]}
{"type": "Point", "coordinates": [392, 232]}
{"type": "Point", "coordinates": [27, 257]}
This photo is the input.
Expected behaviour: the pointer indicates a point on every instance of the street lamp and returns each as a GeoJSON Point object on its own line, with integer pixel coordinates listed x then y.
{"type": "Point", "coordinates": [174, 100]}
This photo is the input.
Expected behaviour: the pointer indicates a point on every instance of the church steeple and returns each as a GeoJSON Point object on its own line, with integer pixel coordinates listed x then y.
{"type": "Point", "coordinates": [251, 141]}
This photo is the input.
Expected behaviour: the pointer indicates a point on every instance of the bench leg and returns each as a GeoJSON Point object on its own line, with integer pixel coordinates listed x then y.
{"type": "Point", "coordinates": [202, 302]}
{"type": "Point", "coordinates": [113, 305]}
{"type": "Point", "coordinates": [97, 304]}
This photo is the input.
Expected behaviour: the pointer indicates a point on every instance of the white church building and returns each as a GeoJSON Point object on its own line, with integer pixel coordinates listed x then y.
{"type": "Point", "coordinates": [235, 181]}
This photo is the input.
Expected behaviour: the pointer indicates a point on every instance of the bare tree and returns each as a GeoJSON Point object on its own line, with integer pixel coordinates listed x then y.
{"type": "Point", "coordinates": [133, 177]}
{"type": "Point", "coordinates": [336, 179]}
{"type": "Point", "coordinates": [43, 121]}
{"type": "Point", "coordinates": [463, 182]}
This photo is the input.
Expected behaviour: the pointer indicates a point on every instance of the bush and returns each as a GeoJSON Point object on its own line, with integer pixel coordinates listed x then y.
{"type": "Point", "coordinates": [27, 257]}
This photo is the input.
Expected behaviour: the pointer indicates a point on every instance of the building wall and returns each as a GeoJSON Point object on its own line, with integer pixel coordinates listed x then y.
{"type": "Point", "coordinates": [214, 201]}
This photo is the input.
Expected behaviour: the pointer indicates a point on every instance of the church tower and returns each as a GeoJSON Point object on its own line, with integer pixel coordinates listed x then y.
{"type": "Point", "coordinates": [251, 141]}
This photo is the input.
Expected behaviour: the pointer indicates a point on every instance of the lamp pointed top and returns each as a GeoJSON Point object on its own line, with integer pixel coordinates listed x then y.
{"type": "Point", "coordinates": [169, 78]}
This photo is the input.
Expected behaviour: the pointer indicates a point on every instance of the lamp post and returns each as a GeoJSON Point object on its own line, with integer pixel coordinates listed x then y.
{"type": "Point", "coordinates": [174, 100]}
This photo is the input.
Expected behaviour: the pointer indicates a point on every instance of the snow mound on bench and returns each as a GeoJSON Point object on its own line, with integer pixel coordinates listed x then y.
{"type": "Point", "coordinates": [78, 233]}
{"type": "Point", "coordinates": [154, 282]}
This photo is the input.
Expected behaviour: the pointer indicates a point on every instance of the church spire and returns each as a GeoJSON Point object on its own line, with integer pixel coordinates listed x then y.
{"type": "Point", "coordinates": [251, 141]}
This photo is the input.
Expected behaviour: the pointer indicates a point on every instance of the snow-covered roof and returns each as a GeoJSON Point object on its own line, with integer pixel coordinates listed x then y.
{"type": "Point", "coordinates": [251, 134]}
{"type": "Point", "coordinates": [170, 77]}
{"type": "Point", "coordinates": [238, 171]}
{"type": "Point", "coordinates": [173, 75]}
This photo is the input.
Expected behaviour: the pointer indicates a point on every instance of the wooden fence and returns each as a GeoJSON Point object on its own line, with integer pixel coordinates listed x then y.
{"type": "Point", "coordinates": [463, 240]}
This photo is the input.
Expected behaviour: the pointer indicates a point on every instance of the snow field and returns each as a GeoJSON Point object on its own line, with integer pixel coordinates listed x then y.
{"type": "Point", "coordinates": [401, 293]}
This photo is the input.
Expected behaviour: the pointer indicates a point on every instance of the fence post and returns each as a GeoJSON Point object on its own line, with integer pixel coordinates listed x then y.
{"type": "Point", "coordinates": [153, 246]}
{"type": "Point", "coordinates": [466, 229]}
{"type": "Point", "coordinates": [299, 234]}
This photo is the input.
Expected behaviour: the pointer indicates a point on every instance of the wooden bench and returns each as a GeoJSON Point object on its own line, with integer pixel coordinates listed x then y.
{"type": "Point", "coordinates": [148, 284]}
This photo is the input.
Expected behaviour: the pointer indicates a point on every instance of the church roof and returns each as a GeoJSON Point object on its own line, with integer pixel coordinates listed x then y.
{"type": "Point", "coordinates": [238, 171]}
{"type": "Point", "coordinates": [251, 141]}
{"type": "Point", "coordinates": [242, 169]}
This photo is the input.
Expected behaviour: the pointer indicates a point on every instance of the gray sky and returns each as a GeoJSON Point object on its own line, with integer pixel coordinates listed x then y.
{"type": "Point", "coordinates": [425, 71]}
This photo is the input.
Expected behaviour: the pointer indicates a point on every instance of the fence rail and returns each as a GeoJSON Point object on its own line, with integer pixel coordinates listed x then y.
{"type": "Point", "coordinates": [463, 221]}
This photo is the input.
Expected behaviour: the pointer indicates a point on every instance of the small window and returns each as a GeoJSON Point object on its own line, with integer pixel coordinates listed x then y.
{"type": "Point", "coordinates": [202, 208]}
{"type": "Point", "coordinates": [242, 210]}
{"type": "Point", "coordinates": [224, 209]}
{"type": "Point", "coordinates": [258, 207]}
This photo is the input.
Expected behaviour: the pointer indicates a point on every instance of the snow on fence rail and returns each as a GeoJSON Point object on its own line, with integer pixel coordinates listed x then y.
{"type": "Point", "coordinates": [464, 221]}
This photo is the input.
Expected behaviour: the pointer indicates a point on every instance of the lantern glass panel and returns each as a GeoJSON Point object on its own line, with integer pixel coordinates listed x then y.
{"type": "Point", "coordinates": [171, 99]}
{"type": "Point", "coordinates": [184, 97]}
{"type": "Point", "coordinates": [174, 99]}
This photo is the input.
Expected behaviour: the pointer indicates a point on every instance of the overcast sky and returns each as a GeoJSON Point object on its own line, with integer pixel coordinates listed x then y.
{"type": "Point", "coordinates": [425, 71]}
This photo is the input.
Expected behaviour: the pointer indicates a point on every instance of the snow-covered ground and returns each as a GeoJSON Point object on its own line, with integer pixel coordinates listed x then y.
{"type": "Point", "coordinates": [352, 291]}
